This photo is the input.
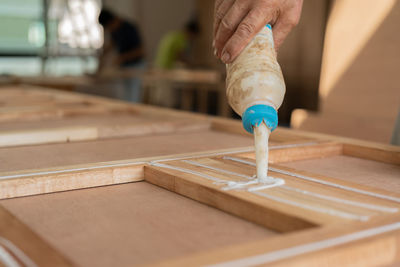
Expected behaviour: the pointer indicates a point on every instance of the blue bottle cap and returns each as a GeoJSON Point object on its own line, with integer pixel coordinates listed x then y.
{"type": "Point", "coordinates": [256, 114]}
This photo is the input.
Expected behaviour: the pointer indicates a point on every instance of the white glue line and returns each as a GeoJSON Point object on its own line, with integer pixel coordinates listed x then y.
{"type": "Point", "coordinates": [276, 183]}
{"type": "Point", "coordinates": [218, 169]}
{"type": "Point", "coordinates": [250, 149]}
{"type": "Point", "coordinates": [344, 201]}
{"type": "Point", "coordinates": [69, 170]}
{"type": "Point", "coordinates": [293, 145]}
{"type": "Point", "coordinates": [240, 185]}
{"type": "Point", "coordinates": [305, 192]}
{"type": "Point", "coordinates": [332, 212]}
{"type": "Point", "coordinates": [343, 187]}
{"type": "Point", "coordinates": [209, 177]}
{"type": "Point", "coordinates": [7, 259]}
{"type": "Point", "coordinates": [17, 252]}
{"type": "Point", "coordinates": [308, 248]}
{"type": "Point", "coordinates": [234, 185]}
{"type": "Point", "coordinates": [150, 162]}
{"type": "Point", "coordinates": [272, 183]}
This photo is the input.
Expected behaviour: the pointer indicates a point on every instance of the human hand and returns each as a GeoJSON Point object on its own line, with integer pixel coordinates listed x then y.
{"type": "Point", "coordinates": [237, 21]}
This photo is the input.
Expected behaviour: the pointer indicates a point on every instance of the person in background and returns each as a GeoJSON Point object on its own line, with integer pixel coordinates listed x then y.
{"type": "Point", "coordinates": [174, 50]}
{"type": "Point", "coordinates": [175, 47]}
{"type": "Point", "coordinates": [125, 40]}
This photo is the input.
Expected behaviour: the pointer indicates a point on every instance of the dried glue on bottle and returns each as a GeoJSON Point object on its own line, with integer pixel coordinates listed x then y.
{"type": "Point", "coordinates": [255, 91]}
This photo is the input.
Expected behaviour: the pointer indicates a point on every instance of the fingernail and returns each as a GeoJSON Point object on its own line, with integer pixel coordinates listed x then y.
{"type": "Point", "coordinates": [215, 52]}
{"type": "Point", "coordinates": [225, 57]}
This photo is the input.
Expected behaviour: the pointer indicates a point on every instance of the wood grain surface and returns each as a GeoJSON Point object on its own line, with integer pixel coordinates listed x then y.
{"type": "Point", "coordinates": [129, 224]}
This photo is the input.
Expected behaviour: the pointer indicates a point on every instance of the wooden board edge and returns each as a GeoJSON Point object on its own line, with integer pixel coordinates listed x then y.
{"type": "Point", "coordinates": [380, 154]}
{"type": "Point", "coordinates": [238, 206]}
{"type": "Point", "coordinates": [71, 180]}
{"type": "Point", "coordinates": [338, 181]}
{"type": "Point", "coordinates": [350, 244]}
{"type": "Point", "coordinates": [300, 152]}
{"type": "Point", "coordinates": [26, 246]}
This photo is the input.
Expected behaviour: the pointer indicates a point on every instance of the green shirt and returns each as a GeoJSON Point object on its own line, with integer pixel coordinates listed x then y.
{"type": "Point", "coordinates": [169, 49]}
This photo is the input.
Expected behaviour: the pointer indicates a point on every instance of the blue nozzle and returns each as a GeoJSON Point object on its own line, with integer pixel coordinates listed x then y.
{"type": "Point", "coordinates": [256, 114]}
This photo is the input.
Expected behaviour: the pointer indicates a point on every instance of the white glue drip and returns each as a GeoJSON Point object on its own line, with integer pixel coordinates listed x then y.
{"type": "Point", "coordinates": [261, 135]}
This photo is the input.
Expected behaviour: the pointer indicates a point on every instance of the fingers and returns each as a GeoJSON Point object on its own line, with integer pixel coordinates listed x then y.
{"type": "Point", "coordinates": [237, 21]}
{"type": "Point", "coordinates": [229, 23]}
{"type": "Point", "coordinates": [285, 23]}
{"type": "Point", "coordinates": [248, 27]}
{"type": "Point", "coordinates": [221, 7]}
{"type": "Point", "coordinates": [217, 20]}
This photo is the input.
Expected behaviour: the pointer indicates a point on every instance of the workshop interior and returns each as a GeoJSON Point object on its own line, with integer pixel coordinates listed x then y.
{"type": "Point", "coordinates": [199, 133]}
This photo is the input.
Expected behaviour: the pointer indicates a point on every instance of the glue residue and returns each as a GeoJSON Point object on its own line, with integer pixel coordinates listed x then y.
{"type": "Point", "coordinates": [239, 185]}
{"type": "Point", "coordinates": [268, 183]}
{"type": "Point", "coordinates": [262, 180]}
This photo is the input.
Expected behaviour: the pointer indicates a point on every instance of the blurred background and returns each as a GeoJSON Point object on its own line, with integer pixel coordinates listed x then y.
{"type": "Point", "coordinates": [341, 64]}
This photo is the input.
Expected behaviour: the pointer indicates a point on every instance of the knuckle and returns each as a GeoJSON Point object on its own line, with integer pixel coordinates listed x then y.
{"type": "Point", "coordinates": [245, 29]}
{"type": "Point", "coordinates": [219, 15]}
{"type": "Point", "coordinates": [227, 24]}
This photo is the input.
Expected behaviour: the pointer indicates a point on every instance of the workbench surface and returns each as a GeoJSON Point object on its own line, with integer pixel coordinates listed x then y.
{"type": "Point", "coordinates": [90, 181]}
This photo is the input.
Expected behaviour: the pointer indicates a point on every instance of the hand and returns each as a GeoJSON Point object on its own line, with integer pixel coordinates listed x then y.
{"type": "Point", "coordinates": [237, 21]}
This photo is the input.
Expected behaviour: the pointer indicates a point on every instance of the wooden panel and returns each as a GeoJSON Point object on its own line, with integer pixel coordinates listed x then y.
{"type": "Point", "coordinates": [31, 103]}
{"type": "Point", "coordinates": [372, 173]}
{"type": "Point", "coordinates": [371, 244]}
{"type": "Point", "coordinates": [33, 116]}
{"type": "Point", "coordinates": [47, 180]}
{"type": "Point", "coordinates": [115, 126]}
{"type": "Point", "coordinates": [45, 156]}
{"type": "Point", "coordinates": [73, 142]}
{"type": "Point", "coordinates": [310, 198]}
{"type": "Point", "coordinates": [327, 218]}
{"type": "Point", "coordinates": [129, 224]}
{"type": "Point", "coordinates": [20, 245]}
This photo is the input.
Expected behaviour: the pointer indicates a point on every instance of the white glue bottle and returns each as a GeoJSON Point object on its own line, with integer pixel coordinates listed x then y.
{"type": "Point", "coordinates": [255, 91]}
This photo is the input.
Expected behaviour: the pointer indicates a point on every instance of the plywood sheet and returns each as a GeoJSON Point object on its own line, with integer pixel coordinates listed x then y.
{"type": "Point", "coordinates": [103, 120]}
{"type": "Point", "coordinates": [129, 224]}
{"type": "Point", "coordinates": [362, 171]}
{"type": "Point", "coordinates": [52, 155]}
{"type": "Point", "coordinates": [104, 126]}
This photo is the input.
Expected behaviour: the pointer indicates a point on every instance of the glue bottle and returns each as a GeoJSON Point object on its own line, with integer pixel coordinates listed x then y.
{"type": "Point", "coordinates": [255, 91]}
